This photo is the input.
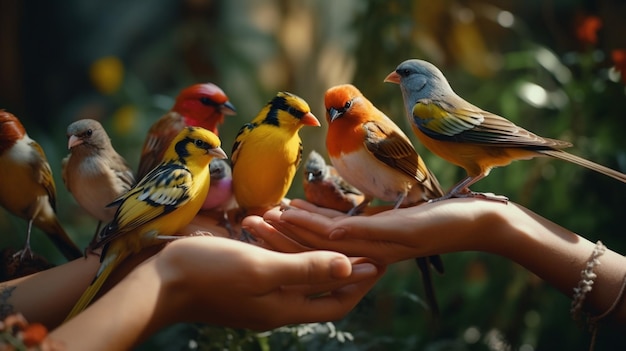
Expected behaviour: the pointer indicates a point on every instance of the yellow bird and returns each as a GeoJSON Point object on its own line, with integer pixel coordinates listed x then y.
{"type": "Point", "coordinates": [161, 204]}
{"type": "Point", "coordinates": [267, 152]}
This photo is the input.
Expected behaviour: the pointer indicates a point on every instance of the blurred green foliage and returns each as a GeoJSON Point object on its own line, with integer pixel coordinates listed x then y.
{"type": "Point", "coordinates": [545, 65]}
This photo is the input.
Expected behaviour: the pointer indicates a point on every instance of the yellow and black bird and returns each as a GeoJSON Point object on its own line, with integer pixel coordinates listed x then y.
{"type": "Point", "coordinates": [161, 204]}
{"type": "Point", "coordinates": [267, 152]}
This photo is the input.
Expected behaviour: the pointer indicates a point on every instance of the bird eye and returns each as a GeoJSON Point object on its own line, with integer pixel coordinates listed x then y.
{"type": "Point", "coordinates": [201, 144]}
{"type": "Point", "coordinates": [404, 72]}
{"type": "Point", "coordinates": [89, 132]}
{"type": "Point", "coordinates": [207, 102]}
{"type": "Point", "coordinates": [347, 105]}
{"type": "Point", "coordinates": [291, 110]}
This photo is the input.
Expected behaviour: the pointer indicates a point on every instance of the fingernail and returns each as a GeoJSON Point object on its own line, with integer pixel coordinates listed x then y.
{"type": "Point", "coordinates": [337, 234]}
{"type": "Point", "coordinates": [364, 269]}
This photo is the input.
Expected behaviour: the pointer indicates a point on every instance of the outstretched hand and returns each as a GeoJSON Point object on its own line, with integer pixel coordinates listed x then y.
{"type": "Point", "coordinates": [386, 237]}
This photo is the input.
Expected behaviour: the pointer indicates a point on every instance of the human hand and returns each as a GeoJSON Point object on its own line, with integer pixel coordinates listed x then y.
{"type": "Point", "coordinates": [386, 237]}
{"type": "Point", "coordinates": [229, 283]}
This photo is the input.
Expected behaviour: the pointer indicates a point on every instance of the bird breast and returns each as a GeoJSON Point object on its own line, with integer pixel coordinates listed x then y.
{"type": "Point", "coordinates": [371, 176]}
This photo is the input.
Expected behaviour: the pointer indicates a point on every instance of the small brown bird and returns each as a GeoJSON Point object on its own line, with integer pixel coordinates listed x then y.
{"type": "Point", "coordinates": [93, 172]}
{"type": "Point", "coordinates": [27, 188]}
{"type": "Point", "coordinates": [324, 187]}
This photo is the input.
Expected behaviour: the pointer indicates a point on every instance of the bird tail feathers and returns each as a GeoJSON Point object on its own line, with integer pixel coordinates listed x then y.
{"type": "Point", "coordinates": [585, 163]}
{"type": "Point", "coordinates": [107, 266]}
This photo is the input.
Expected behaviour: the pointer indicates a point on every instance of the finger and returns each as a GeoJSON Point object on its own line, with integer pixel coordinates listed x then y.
{"type": "Point", "coordinates": [305, 205]}
{"type": "Point", "coordinates": [270, 238]}
{"type": "Point", "coordinates": [382, 251]}
{"type": "Point", "coordinates": [317, 267]}
{"type": "Point", "coordinates": [333, 306]}
{"type": "Point", "coordinates": [360, 271]}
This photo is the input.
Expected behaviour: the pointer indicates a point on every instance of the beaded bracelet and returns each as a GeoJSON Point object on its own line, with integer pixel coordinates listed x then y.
{"type": "Point", "coordinates": [586, 282]}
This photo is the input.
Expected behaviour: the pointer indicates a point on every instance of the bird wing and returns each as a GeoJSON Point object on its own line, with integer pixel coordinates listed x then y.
{"type": "Point", "coordinates": [446, 121]}
{"type": "Point", "coordinates": [160, 135]}
{"type": "Point", "coordinates": [41, 168]}
{"type": "Point", "coordinates": [122, 171]}
{"type": "Point", "coordinates": [393, 148]}
{"type": "Point", "coordinates": [239, 139]}
{"type": "Point", "coordinates": [162, 191]}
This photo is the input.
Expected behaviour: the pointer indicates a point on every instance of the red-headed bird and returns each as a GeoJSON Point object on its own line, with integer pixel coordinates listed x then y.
{"type": "Point", "coordinates": [27, 188]}
{"type": "Point", "coordinates": [324, 187]}
{"type": "Point", "coordinates": [199, 105]}
{"type": "Point", "coordinates": [93, 172]}
{"type": "Point", "coordinates": [372, 153]}
{"type": "Point", "coordinates": [467, 135]}
{"type": "Point", "coordinates": [161, 204]}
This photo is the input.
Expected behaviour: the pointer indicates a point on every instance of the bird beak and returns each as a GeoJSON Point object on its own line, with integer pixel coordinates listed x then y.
{"type": "Point", "coordinates": [73, 141]}
{"type": "Point", "coordinates": [217, 152]}
{"type": "Point", "coordinates": [393, 77]}
{"type": "Point", "coordinates": [228, 108]}
{"type": "Point", "coordinates": [334, 113]}
{"type": "Point", "coordinates": [310, 120]}
{"type": "Point", "coordinates": [309, 176]}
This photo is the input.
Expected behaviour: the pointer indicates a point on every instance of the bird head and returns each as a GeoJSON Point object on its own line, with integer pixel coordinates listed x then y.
{"type": "Point", "coordinates": [195, 144]}
{"type": "Point", "coordinates": [87, 132]}
{"type": "Point", "coordinates": [219, 169]}
{"type": "Point", "coordinates": [346, 99]}
{"type": "Point", "coordinates": [315, 167]}
{"type": "Point", "coordinates": [11, 130]}
{"type": "Point", "coordinates": [204, 105]}
{"type": "Point", "coordinates": [298, 113]}
{"type": "Point", "coordinates": [419, 79]}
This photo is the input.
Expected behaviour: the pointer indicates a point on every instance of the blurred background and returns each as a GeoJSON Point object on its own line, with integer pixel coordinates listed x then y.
{"type": "Point", "coordinates": [555, 67]}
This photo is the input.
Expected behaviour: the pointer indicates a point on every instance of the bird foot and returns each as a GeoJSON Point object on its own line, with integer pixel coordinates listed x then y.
{"type": "Point", "coordinates": [23, 252]}
{"type": "Point", "coordinates": [471, 194]}
{"type": "Point", "coordinates": [246, 236]}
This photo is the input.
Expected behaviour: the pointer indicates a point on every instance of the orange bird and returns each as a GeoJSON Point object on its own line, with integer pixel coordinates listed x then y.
{"type": "Point", "coordinates": [372, 153]}
{"type": "Point", "coordinates": [199, 105]}
{"type": "Point", "coordinates": [468, 136]}
{"type": "Point", "coordinates": [27, 188]}
{"type": "Point", "coordinates": [324, 187]}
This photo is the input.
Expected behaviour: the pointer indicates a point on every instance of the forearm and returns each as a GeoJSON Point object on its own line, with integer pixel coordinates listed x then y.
{"type": "Point", "coordinates": [46, 297]}
{"type": "Point", "coordinates": [558, 256]}
{"type": "Point", "coordinates": [121, 318]}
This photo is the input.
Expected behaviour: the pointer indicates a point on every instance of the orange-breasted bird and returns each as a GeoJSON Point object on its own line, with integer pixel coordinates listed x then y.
{"type": "Point", "coordinates": [267, 152]}
{"type": "Point", "coordinates": [199, 105]}
{"type": "Point", "coordinates": [161, 204]}
{"type": "Point", "coordinates": [27, 188]}
{"type": "Point", "coordinates": [468, 136]}
{"type": "Point", "coordinates": [372, 153]}
{"type": "Point", "coordinates": [93, 172]}
{"type": "Point", "coordinates": [324, 187]}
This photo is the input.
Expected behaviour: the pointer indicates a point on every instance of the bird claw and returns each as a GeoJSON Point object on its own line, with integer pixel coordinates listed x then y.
{"type": "Point", "coordinates": [473, 195]}
{"type": "Point", "coordinates": [26, 250]}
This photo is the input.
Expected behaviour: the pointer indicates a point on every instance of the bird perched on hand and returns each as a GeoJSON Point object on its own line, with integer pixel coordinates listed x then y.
{"type": "Point", "coordinates": [372, 153]}
{"type": "Point", "coordinates": [323, 186]}
{"type": "Point", "coordinates": [221, 188]}
{"type": "Point", "coordinates": [468, 136]}
{"type": "Point", "coordinates": [27, 188]}
{"type": "Point", "coordinates": [162, 203]}
{"type": "Point", "coordinates": [267, 152]}
{"type": "Point", "coordinates": [199, 105]}
{"type": "Point", "coordinates": [220, 200]}
{"type": "Point", "coordinates": [93, 172]}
